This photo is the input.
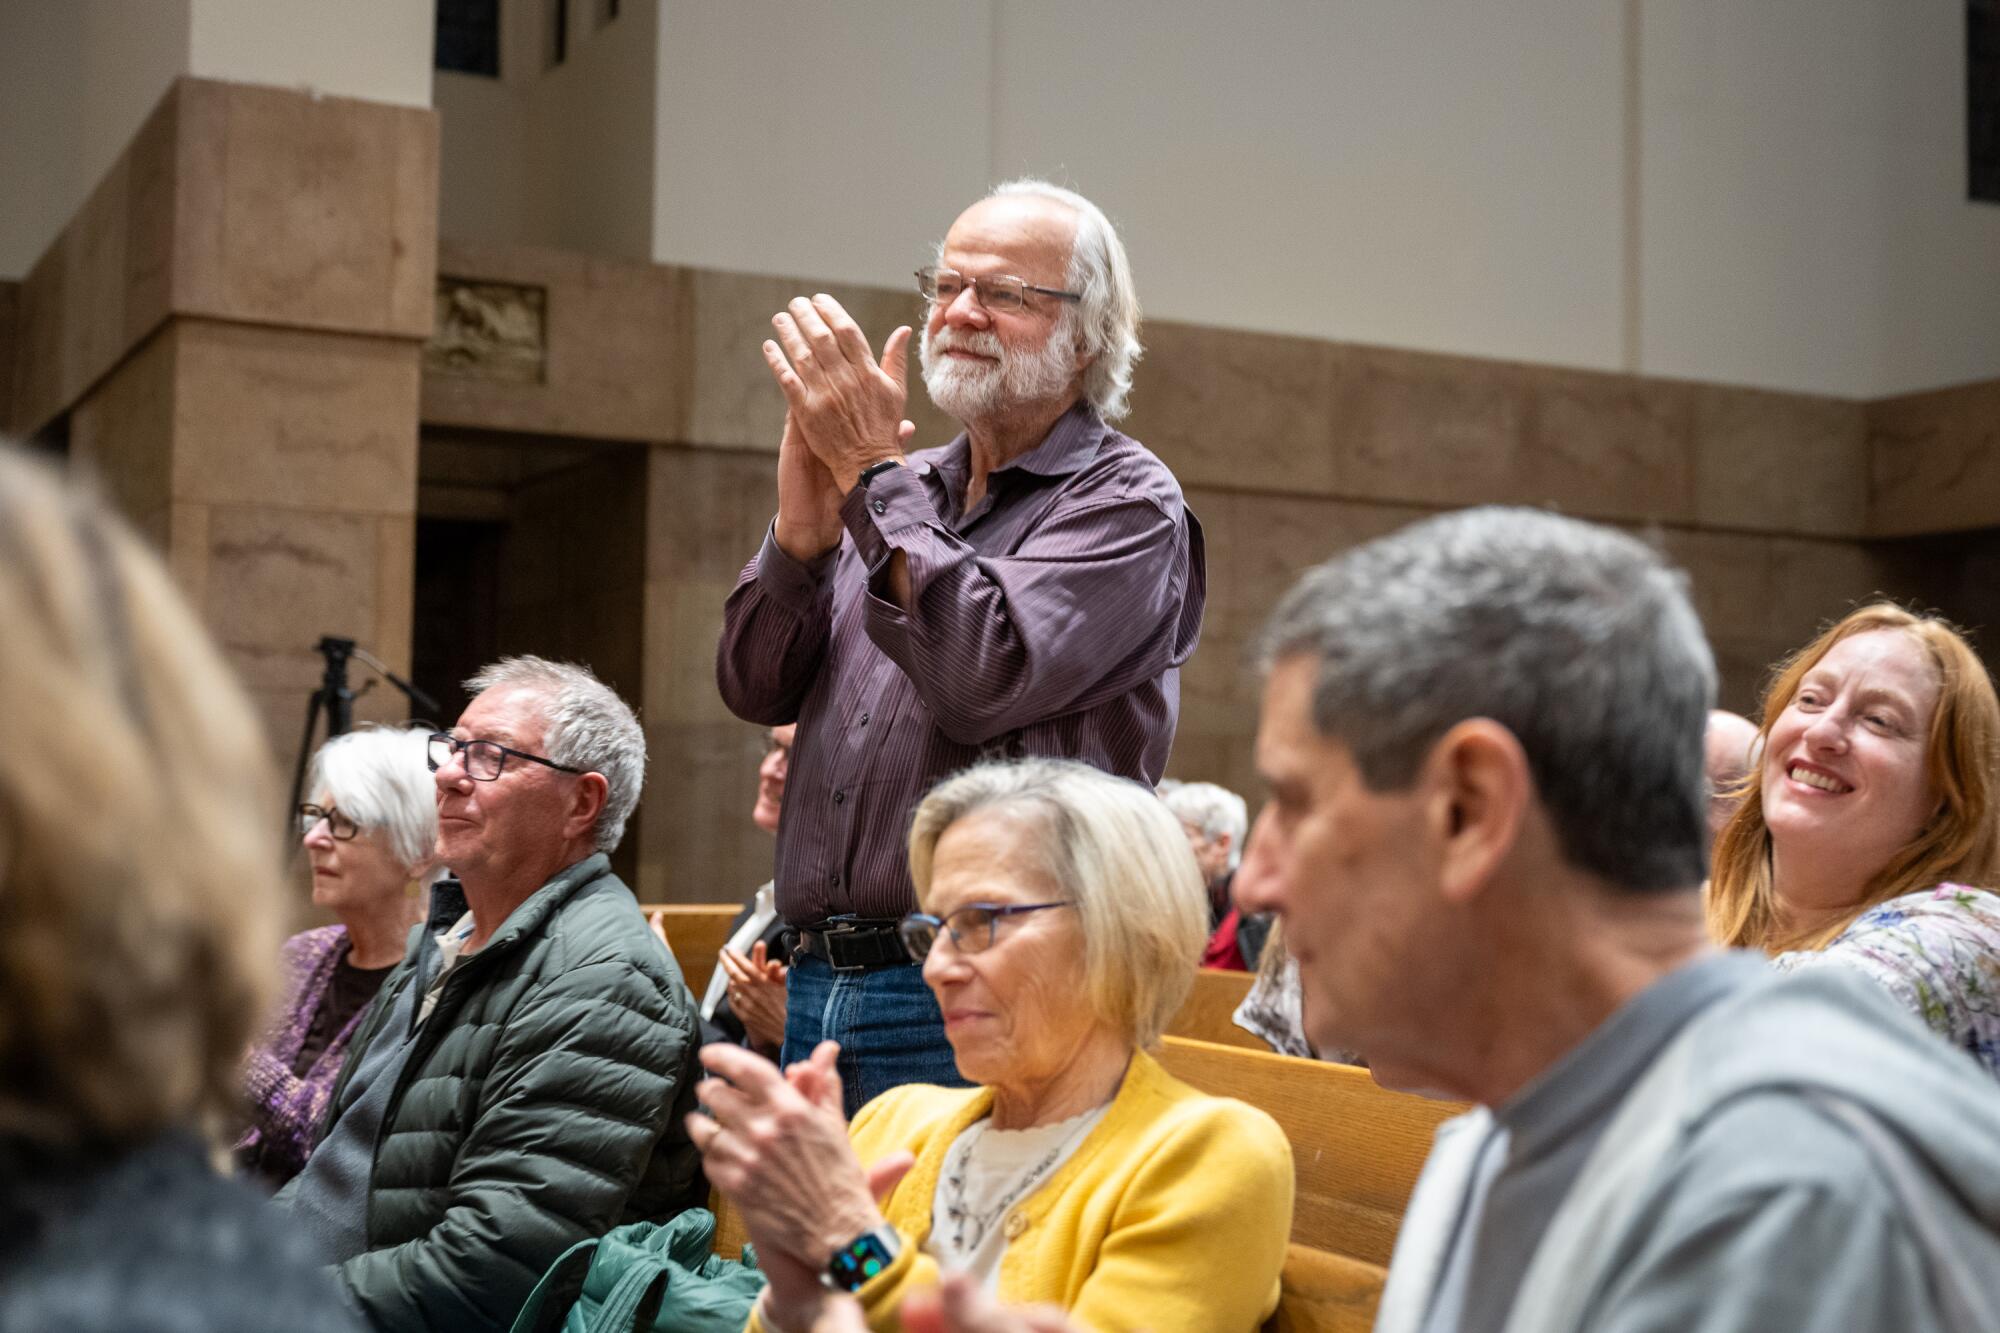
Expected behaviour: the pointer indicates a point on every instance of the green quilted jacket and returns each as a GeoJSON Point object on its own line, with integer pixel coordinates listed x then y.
{"type": "Point", "coordinates": [542, 1103]}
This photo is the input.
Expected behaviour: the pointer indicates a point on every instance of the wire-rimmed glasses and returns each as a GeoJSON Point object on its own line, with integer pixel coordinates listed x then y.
{"type": "Point", "coordinates": [1003, 291]}
{"type": "Point", "coordinates": [971, 927]}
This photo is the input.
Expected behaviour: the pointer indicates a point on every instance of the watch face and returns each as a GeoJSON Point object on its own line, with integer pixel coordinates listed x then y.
{"type": "Point", "coordinates": [860, 1260]}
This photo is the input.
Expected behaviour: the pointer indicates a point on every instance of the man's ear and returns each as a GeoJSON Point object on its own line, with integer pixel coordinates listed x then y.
{"type": "Point", "coordinates": [586, 805]}
{"type": "Point", "coordinates": [1480, 785]}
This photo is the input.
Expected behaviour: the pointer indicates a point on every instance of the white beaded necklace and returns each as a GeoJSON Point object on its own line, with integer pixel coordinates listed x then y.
{"type": "Point", "coordinates": [969, 1228]}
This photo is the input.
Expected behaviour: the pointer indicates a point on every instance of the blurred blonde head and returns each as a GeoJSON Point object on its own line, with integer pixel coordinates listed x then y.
{"type": "Point", "coordinates": [1961, 842]}
{"type": "Point", "coordinates": [1113, 848]}
{"type": "Point", "coordinates": [140, 864]}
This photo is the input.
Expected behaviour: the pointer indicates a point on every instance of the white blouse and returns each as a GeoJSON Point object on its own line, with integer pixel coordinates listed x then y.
{"type": "Point", "coordinates": [987, 1174]}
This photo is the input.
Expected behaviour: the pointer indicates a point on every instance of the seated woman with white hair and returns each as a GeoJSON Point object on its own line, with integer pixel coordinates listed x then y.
{"type": "Point", "coordinates": [370, 833]}
{"type": "Point", "coordinates": [1062, 917]}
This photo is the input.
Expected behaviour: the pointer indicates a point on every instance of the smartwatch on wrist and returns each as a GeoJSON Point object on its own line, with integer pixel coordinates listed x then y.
{"type": "Point", "coordinates": [862, 1258]}
{"type": "Point", "coordinates": [873, 470]}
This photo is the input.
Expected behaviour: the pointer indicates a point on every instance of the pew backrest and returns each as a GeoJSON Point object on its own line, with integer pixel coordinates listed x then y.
{"type": "Point", "coordinates": [1356, 1147]}
{"type": "Point", "coordinates": [1209, 1013]}
{"type": "Point", "coordinates": [696, 933]}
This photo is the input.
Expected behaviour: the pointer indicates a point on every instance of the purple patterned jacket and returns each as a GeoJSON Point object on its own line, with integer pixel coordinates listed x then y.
{"type": "Point", "coordinates": [284, 1108]}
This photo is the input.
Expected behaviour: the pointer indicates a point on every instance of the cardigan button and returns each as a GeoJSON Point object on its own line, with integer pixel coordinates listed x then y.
{"type": "Point", "coordinates": [1017, 1222]}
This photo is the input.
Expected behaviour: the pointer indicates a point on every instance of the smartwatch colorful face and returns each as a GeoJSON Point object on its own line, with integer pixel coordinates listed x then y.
{"type": "Point", "coordinates": [860, 1260]}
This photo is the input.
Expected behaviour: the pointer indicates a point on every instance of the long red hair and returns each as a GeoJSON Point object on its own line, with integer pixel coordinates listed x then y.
{"type": "Point", "coordinates": [1961, 756]}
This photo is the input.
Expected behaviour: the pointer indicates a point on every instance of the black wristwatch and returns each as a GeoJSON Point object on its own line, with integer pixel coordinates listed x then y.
{"type": "Point", "coordinates": [874, 470]}
{"type": "Point", "coordinates": [862, 1258]}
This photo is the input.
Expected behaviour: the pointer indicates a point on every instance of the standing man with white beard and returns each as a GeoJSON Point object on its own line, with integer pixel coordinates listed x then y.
{"type": "Point", "coordinates": [1030, 588]}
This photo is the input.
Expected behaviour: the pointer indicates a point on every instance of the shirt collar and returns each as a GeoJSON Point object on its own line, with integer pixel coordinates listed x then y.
{"type": "Point", "coordinates": [1588, 1081]}
{"type": "Point", "coordinates": [1071, 443]}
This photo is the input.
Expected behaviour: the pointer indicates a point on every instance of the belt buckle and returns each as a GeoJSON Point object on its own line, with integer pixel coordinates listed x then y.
{"type": "Point", "coordinates": [831, 938]}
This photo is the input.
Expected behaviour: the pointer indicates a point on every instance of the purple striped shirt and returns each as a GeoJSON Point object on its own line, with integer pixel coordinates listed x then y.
{"type": "Point", "coordinates": [1051, 620]}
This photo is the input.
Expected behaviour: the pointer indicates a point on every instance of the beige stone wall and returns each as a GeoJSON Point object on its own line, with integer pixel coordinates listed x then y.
{"type": "Point", "coordinates": [232, 324]}
{"type": "Point", "coordinates": [1290, 449]}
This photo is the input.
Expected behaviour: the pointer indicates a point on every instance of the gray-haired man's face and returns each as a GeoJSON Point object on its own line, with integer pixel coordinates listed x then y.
{"type": "Point", "coordinates": [1352, 872]}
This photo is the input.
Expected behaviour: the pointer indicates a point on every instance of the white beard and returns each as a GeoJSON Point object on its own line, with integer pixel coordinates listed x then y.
{"type": "Point", "coordinates": [975, 391]}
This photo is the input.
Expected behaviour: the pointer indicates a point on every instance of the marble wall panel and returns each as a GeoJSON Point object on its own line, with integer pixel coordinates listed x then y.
{"type": "Point", "coordinates": [276, 580]}
{"type": "Point", "coordinates": [291, 417]}
{"type": "Point", "coordinates": [1244, 411]}
{"type": "Point", "coordinates": [698, 844]}
{"type": "Point", "coordinates": [1934, 461]}
{"type": "Point", "coordinates": [303, 210]}
{"type": "Point", "coordinates": [616, 342]}
{"type": "Point", "coordinates": [1433, 430]}
{"type": "Point", "coordinates": [733, 402]}
{"type": "Point", "coordinates": [257, 204]}
{"type": "Point", "coordinates": [1610, 447]}
{"type": "Point", "coordinates": [709, 510]}
{"type": "Point", "coordinates": [122, 434]}
{"type": "Point", "coordinates": [1778, 462]}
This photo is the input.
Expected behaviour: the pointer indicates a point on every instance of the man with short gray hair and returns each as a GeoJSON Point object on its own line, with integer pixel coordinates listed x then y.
{"type": "Point", "coordinates": [1216, 820]}
{"type": "Point", "coordinates": [1486, 835]}
{"type": "Point", "coordinates": [522, 1079]}
{"type": "Point", "coordinates": [1029, 589]}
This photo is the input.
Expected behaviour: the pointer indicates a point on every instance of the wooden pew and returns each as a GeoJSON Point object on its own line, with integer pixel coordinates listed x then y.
{"type": "Point", "coordinates": [1356, 1149]}
{"type": "Point", "coordinates": [696, 933]}
{"type": "Point", "coordinates": [1210, 1009]}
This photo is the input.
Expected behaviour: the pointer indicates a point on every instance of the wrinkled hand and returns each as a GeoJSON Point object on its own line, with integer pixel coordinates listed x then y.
{"type": "Point", "coordinates": [780, 1152]}
{"type": "Point", "coordinates": [757, 995]}
{"type": "Point", "coordinates": [847, 406]}
{"type": "Point", "coordinates": [808, 523]}
{"type": "Point", "coordinates": [957, 1305]}
{"type": "Point", "coordinates": [776, 1144]}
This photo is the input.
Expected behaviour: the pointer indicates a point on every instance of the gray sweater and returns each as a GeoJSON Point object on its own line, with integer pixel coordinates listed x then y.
{"type": "Point", "coordinates": [1725, 1195]}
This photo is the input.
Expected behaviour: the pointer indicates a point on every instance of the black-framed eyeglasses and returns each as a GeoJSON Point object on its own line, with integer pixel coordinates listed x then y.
{"type": "Point", "coordinates": [971, 927]}
{"type": "Point", "coordinates": [483, 759]}
{"type": "Point", "coordinates": [941, 286]}
{"type": "Point", "coordinates": [340, 826]}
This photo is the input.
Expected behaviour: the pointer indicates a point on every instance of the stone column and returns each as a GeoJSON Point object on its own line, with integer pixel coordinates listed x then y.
{"type": "Point", "coordinates": [234, 323]}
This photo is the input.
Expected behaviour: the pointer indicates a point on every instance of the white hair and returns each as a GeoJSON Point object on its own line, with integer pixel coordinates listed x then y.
{"type": "Point", "coordinates": [588, 727]}
{"type": "Point", "coordinates": [379, 778]}
{"type": "Point", "coordinates": [1105, 323]}
{"type": "Point", "coordinates": [1110, 846]}
{"type": "Point", "coordinates": [1212, 809]}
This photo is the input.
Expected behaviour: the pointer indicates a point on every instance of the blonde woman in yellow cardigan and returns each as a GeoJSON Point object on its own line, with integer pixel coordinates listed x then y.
{"type": "Point", "coordinates": [1062, 920]}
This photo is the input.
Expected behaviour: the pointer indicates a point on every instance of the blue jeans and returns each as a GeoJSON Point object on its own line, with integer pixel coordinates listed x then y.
{"type": "Point", "coordinates": [887, 1023]}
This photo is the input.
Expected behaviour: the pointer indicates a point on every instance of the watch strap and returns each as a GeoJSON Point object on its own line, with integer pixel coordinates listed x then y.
{"type": "Point", "coordinates": [874, 470]}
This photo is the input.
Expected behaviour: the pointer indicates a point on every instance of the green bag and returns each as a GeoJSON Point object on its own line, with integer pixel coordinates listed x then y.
{"type": "Point", "coordinates": [648, 1277]}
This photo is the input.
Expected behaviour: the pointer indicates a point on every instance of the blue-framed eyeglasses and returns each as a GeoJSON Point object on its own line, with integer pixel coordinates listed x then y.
{"type": "Point", "coordinates": [971, 927]}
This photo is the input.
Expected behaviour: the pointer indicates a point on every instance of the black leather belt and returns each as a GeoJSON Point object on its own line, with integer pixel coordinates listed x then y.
{"type": "Point", "coordinates": [855, 944]}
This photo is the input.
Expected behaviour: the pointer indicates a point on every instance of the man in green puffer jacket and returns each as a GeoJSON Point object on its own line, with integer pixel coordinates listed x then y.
{"type": "Point", "coordinates": [520, 1082]}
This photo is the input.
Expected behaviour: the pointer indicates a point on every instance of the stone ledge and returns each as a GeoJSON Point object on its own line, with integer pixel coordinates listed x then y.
{"type": "Point", "coordinates": [242, 204]}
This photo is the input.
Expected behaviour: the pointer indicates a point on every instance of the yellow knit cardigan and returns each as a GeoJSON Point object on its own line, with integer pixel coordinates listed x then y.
{"type": "Point", "coordinates": [1172, 1215]}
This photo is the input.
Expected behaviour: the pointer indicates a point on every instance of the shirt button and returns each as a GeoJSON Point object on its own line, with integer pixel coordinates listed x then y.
{"type": "Point", "coordinates": [863, 722]}
{"type": "Point", "coordinates": [840, 798]}
{"type": "Point", "coordinates": [879, 506]}
{"type": "Point", "coordinates": [1017, 1222]}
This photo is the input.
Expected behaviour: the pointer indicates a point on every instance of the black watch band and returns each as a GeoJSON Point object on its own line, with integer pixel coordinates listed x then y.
{"type": "Point", "coordinates": [874, 470]}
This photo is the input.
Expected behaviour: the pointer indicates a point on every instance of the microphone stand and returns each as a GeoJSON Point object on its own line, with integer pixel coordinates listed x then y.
{"type": "Point", "coordinates": [336, 701]}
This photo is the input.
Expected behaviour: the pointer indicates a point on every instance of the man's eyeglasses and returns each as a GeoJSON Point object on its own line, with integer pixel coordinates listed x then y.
{"type": "Point", "coordinates": [971, 927]}
{"type": "Point", "coordinates": [340, 826]}
{"type": "Point", "coordinates": [941, 286]}
{"type": "Point", "coordinates": [483, 759]}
